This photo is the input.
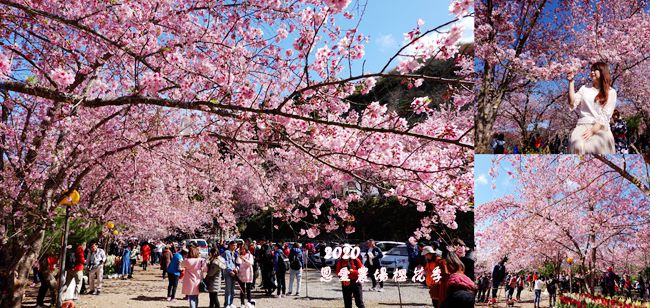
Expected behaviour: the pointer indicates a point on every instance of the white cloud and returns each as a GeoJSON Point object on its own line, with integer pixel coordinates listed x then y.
{"type": "Point", "coordinates": [482, 179]}
{"type": "Point", "coordinates": [386, 42]}
{"type": "Point", "coordinates": [468, 29]}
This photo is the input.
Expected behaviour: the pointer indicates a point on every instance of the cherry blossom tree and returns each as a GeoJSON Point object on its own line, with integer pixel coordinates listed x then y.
{"type": "Point", "coordinates": [524, 45]}
{"type": "Point", "coordinates": [169, 114]}
{"type": "Point", "coordinates": [590, 208]}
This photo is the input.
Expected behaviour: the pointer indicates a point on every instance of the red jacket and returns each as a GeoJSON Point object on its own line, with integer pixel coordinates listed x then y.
{"type": "Point", "coordinates": [146, 252]}
{"type": "Point", "coordinates": [80, 259]}
{"type": "Point", "coordinates": [353, 267]}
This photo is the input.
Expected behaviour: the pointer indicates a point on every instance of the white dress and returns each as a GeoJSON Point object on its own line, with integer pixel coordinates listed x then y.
{"type": "Point", "coordinates": [592, 112]}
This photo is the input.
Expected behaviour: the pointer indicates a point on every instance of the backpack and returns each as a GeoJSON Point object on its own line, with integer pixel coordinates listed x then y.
{"type": "Point", "coordinates": [70, 259]}
{"type": "Point", "coordinates": [283, 262]}
{"type": "Point", "coordinates": [294, 261]}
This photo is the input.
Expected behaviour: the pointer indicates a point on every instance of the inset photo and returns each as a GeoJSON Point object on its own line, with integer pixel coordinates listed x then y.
{"type": "Point", "coordinates": [562, 77]}
{"type": "Point", "coordinates": [562, 230]}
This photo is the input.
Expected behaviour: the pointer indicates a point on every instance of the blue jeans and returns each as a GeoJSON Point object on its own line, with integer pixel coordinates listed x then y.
{"type": "Point", "coordinates": [538, 298]}
{"type": "Point", "coordinates": [194, 301]}
{"type": "Point", "coordinates": [229, 294]}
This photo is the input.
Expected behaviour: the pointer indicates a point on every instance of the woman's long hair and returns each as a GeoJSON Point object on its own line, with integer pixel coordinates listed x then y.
{"type": "Point", "coordinates": [214, 254]}
{"type": "Point", "coordinates": [604, 83]}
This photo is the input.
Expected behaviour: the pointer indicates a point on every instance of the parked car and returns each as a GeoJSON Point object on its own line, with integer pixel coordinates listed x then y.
{"type": "Point", "coordinates": [395, 258]}
{"type": "Point", "coordinates": [315, 260]}
{"type": "Point", "coordinates": [385, 246]}
{"type": "Point", "coordinates": [202, 244]}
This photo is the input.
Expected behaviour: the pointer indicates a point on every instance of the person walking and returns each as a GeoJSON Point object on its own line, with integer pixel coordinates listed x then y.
{"type": "Point", "coordinates": [96, 260]}
{"type": "Point", "coordinates": [348, 272]}
{"type": "Point", "coordinates": [280, 267]}
{"type": "Point", "coordinates": [539, 286]}
{"type": "Point", "coordinates": [174, 272]}
{"type": "Point", "coordinates": [75, 262]}
{"type": "Point", "coordinates": [551, 287]}
{"type": "Point", "coordinates": [610, 282]}
{"type": "Point", "coordinates": [194, 267]}
{"type": "Point", "coordinates": [642, 287]}
{"type": "Point", "coordinates": [165, 259]}
{"type": "Point", "coordinates": [245, 260]}
{"type": "Point", "coordinates": [296, 264]}
{"type": "Point", "coordinates": [125, 265]}
{"type": "Point", "coordinates": [266, 264]}
{"type": "Point", "coordinates": [413, 256]}
{"type": "Point", "coordinates": [512, 285]}
{"type": "Point", "coordinates": [230, 274]}
{"type": "Point", "coordinates": [135, 252]}
{"type": "Point", "coordinates": [322, 253]}
{"type": "Point", "coordinates": [483, 286]}
{"type": "Point", "coordinates": [47, 277]}
{"type": "Point", "coordinates": [146, 255]}
{"type": "Point", "coordinates": [373, 263]}
{"type": "Point", "coordinates": [158, 252]}
{"type": "Point", "coordinates": [520, 286]}
{"type": "Point", "coordinates": [498, 274]}
{"type": "Point", "coordinates": [627, 286]}
{"type": "Point", "coordinates": [213, 277]}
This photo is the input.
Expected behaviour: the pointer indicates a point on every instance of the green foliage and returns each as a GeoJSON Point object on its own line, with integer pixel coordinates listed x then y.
{"type": "Point", "coordinates": [633, 123]}
{"type": "Point", "coordinates": [81, 230]}
{"type": "Point", "coordinates": [548, 269]}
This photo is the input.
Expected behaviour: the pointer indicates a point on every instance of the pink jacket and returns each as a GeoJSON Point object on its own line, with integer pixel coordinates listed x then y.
{"type": "Point", "coordinates": [194, 270]}
{"type": "Point", "coordinates": [245, 268]}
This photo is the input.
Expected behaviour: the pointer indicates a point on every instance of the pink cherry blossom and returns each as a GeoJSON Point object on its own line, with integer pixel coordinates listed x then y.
{"type": "Point", "coordinates": [62, 77]}
{"type": "Point", "coordinates": [5, 64]}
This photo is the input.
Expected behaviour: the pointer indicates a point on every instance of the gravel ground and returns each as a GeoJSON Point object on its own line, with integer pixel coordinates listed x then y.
{"type": "Point", "coordinates": [147, 289]}
{"type": "Point", "coordinates": [527, 298]}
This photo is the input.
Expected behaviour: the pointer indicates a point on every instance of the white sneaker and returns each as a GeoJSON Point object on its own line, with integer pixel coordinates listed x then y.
{"type": "Point", "coordinates": [380, 290]}
{"type": "Point", "coordinates": [289, 294]}
{"type": "Point", "coordinates": [243, 306]}
{"type": "Point", "coordinates": [372, 289]}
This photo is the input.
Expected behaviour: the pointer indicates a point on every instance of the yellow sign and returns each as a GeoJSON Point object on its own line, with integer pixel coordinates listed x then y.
{"type": "Point", "coordinates": [71, 199]}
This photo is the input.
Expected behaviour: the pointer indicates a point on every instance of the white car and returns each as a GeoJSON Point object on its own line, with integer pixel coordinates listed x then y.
{"type": "Point", "coordinates": [315, 258]}
{"type": "Point", "coordinates": [387, 245]}
{"type": "Point", "coordinates": [396, 258]}
{"type": "Point", "coordinates": [384, 246]}
{"type": "Point", "coordinates": [202, 244]}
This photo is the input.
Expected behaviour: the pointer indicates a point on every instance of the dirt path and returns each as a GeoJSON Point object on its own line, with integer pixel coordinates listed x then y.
{"type": "Point", "coordinates": [527, 298]}
{"type": "Point", "coordinates": [147, 289]}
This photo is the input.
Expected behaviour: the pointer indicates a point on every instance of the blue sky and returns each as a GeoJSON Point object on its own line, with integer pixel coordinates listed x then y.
{"type": "Point", "coordinates": [483, 191]}
{"type": "Point", "coordinates": [385, 22]}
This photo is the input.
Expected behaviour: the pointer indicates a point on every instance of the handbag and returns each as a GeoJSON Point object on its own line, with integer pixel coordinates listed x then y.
{"type": "Point", "coordinates": [203, 287]}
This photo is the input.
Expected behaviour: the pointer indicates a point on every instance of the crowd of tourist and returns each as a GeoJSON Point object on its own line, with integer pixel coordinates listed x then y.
{"type": "Point", "coordinates": [239, 267]}
{"type": "Point", "coordinates": [553, 285]}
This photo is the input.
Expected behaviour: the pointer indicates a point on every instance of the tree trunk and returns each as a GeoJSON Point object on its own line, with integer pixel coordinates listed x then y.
{"type": "Point", "coordinates": [487, 105]}
{"type": "Point", "coordinates": [20, 267]}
